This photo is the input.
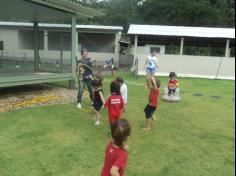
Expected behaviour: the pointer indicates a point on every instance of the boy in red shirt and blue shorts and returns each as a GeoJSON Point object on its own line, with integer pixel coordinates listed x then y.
{"type": "Point", "coordinates": [154, 86]}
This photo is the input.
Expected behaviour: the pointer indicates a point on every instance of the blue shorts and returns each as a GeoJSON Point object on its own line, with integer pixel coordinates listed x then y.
{"type": "Point", "coordinates": [151, 71]}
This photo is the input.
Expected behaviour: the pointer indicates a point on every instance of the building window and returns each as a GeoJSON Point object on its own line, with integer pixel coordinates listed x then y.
{"type": "Point", "coordinates": [157, 49]}
{"type": "Point", "coordinates": [26, 39]}
{"type": "Point", "coordinates": [59, 40]}
{"type": "Point", "coordinates": [172, 49]}
{"type": "Point", "coordinates": [232, 53]}
{"type": "Point", "coordinates": [104, 43]}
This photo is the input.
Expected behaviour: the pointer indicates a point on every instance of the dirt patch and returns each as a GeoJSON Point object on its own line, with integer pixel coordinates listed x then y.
{"type": "Point", "coordinates": [35, 95]}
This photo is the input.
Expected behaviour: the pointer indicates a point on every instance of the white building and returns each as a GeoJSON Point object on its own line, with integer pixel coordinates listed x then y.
{"type": "Point", "coordinates": [188, 51]}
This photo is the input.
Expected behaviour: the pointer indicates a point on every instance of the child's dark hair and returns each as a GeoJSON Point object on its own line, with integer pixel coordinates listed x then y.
{"type": "Point", "coordinates": [96, 83]}
{"type": "Point", "coordinates": [115, 88]}
{"type": "Point", "coordinates": [172, 74]}
{"type": "Point", "coordinates": [158, 83]}
{"type": "Point", "coordinates": [153, 50]}
{"type": "Point", "coordinates": [99, 78]}
{"type": "Point", "coordinates": [120, 80]}
{"type": "Point", "coordinates": [120, 131]}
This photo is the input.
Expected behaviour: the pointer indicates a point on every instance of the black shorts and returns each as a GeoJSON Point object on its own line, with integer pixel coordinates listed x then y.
{"type": "Point", "coordinates": [149, 111]}
{"type": "Point", "coordinates": [97, 106]}
{"type": "Point", "coordinates": [171, 91]}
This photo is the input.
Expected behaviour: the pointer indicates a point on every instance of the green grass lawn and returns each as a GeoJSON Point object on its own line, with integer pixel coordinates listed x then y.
{"type": "Point", "coordinates": [194, 137]}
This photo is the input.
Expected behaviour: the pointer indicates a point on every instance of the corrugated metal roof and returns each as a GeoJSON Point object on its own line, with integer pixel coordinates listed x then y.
{"type": "Point", "coordinates": [69, 6]}
{"type": "Point", "coordinates": [117, 28]}
{"type": "Point", "coordinates": [99, 27]}
{"type": "Point", "coordinates": [182, 31]}
{"type": "Point", "coordinates": [45, 11]}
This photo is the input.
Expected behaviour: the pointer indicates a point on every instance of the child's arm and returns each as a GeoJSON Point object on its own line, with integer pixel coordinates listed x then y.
{"type": "Point", "coordinates": [124, 108]}
{"type": "Point", "coordinates": [122, 104]}
{"type": "Point", "coordinates": [155, 62]}
{"type": "Point", "coordinates": [153, 83]}
{"type": "Point", "coordinates": [157, 66]}
{"type": "Point", "coordinates": [114, 171]}
{"type": "Point", "coordinates": [149, 82]}
{"type": "Point", "coordinates": [102, 97]}
{"type": "Point", "coordinates": [145, 64]}
{"type": "Point", "coordinates": [107, 102]}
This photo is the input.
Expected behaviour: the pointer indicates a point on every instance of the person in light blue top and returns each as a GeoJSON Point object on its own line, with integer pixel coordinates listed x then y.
{"type": "Point", "coordinates": [151, 65]}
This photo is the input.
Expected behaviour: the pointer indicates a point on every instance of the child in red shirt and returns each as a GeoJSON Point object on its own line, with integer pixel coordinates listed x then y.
{"type": "Point", "coordinates": [149, 110]}
{"type": "Point", "coordinates": [116, 156]}
{"type": "Point", "coordinates": [115, 103]}
{"type": "Point", "coordinates": [172, 84]}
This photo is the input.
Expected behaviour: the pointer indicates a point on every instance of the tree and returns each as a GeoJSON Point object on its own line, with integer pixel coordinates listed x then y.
{"type": "Point", "coordinates": [121, 12]}
{"type": "Point", "coordinates": [226, 13]}
{"type": "Point", "coordinates": [210, 13]}
{"type": "Point", "coordinates": [179, 12]}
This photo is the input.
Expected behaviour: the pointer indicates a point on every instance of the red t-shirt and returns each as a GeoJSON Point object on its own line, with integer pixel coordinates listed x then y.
{"type": "Point", "coordinates": [153, 97]}
{"type": "Point", "coordinates": [172, 84]}
{"type": "Point", "coordinates": [114, 157]}
{"type": "Point", "coordinates": [114, 103]}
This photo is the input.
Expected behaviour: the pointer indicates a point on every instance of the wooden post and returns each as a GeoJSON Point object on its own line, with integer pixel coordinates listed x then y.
{"type": "Point", "coordinates": [36, 46]}
{"type": "Point", "coordinates": [135, 50]}
{"type": "Point", "coordinates": [117, 46]}
{"type": "Point", "coordinates": [61, 53]}
{"type": "Point", "coordinates": [74, 46]}
{"type": "Point", "coordinates": [45, 40]}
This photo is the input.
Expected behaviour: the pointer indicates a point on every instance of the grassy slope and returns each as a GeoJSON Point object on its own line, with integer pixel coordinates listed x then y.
{"type": "Point", "coordinates": [194, 137]}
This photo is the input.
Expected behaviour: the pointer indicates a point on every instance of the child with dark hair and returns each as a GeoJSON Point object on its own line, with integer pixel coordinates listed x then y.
{"type": "Point", "coordinates": [150, 109]}
{"type": "Point", "coordinates": [172, 84]}
{"type": "Point", "coordinates": [116, 155]}
{"type": "Point", "coordinates": [123, 89]}
{"type": "Point", "coordinates": [98, 100]}
{"type": "Point", "coordinates": [115, 103]}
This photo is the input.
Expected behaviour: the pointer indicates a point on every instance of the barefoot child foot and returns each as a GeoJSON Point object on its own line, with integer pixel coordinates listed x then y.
{"type": "Point", "coordinates": [147, 129]}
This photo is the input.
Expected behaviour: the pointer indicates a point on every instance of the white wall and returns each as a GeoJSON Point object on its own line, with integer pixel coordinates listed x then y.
{"type": "Point", "coordinates": [10, 39]}
{"type": "Point", "coordinates": [192, 65]}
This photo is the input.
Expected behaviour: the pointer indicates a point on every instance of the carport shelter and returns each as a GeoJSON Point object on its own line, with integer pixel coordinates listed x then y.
{"type": "Point", "coordinates": [42, 11]}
